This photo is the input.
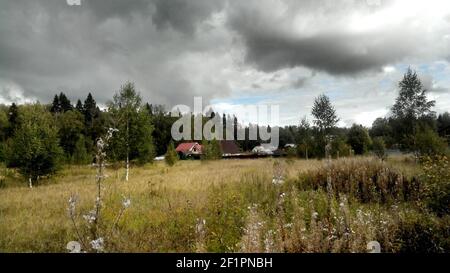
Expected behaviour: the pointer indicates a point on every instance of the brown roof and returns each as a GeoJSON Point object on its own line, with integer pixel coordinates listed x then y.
{"type": "Point", "coordinates": [229, 147]}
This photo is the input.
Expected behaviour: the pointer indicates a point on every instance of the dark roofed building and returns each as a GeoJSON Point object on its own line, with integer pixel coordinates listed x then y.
{"type": "Point", "coordinates": [229, 147]}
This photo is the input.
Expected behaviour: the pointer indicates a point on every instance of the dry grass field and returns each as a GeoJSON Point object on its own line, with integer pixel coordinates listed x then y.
{"type": "Point", "coordinates": [220, 206]}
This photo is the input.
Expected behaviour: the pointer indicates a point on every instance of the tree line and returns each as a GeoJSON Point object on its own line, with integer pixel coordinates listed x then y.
{"type": "Point", "coordinates": [38, 139]}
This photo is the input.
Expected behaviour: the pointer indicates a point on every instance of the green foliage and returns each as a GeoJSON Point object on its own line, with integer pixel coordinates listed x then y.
{"type": "Point", "coordinates": [411, 111]}
{"type": "Point", "coordinates": [171, 156]}
{"type": "Point", "coordinates": [339, 148]}
{"type": "Point", "coordinates": [134, 137]}
{"type": "Point", "coordinates": [80, 155]}
{"type": "Point", "coordinates": [420, 234]}
{"type": "Point", "coordinates": [324, 113]}
{"type": "Point", "coordinates": [4, 125]}
{"type": "Point", "coordinates": [13, 120]}
{"type": "Point", "coordinates": [437, 178]}
{"type": "Point", "coordinates": [162, 123]}
{"type": "Point", "coordinates": [379, 148]}
{"type": "Point", "coordinates": [70, 126]}
{"type": "Point", "coordinates": [358, 138]}
{"type": "Point", "coordinates": [412, 101]}
{"type": "Point", "coordinates": [61, 104]}
{"type": "Point", "coordinates": [428, 142]}
{"type": "Point", "coordinates": [443, 125]}
{"type": "Point", "coordinates": [34, 148]}
{"type": "Point", "coordinates": [211, 150]}
{"type": "Point", "coordinates": [225, 219]}
{"type": "Point", "coordinates": [366, 180]}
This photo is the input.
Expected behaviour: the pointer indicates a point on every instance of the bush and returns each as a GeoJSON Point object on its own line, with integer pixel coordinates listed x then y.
{"type": "Point", "coordinates": [367, 180]}
{"type": "Point", "coordinates": [428, 142]}
{"type": "Point", "coordinates": [379, 148]}
{"type": "Point", "coordinates": [34, 148]}
{"type": "Point", "coordinates": [171, 156]}
{"type": "Point", "coordinates": [422, 235]}
{"type": "Point", "coordinates": [211, 150]}
{"type": "Point", "coordinates": [80, 155]}
{"type": "Point", "coordinates": [437, 178]}
{"type": "Point", "coordinates": [339, 148]}
{"type": "Point", "coordinates": [359, 139]}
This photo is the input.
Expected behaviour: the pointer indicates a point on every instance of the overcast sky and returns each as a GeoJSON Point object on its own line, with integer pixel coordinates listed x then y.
{"type": "Point", "coordinates": [283, 52]}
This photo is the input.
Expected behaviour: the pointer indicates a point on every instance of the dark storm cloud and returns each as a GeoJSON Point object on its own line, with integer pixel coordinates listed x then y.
{"type": "Point", "coordinates": [335, 54]}
{"type": "Point", "coordinates": [48, 46]}
{"type": "Point", "coordinates": [318, 35]}
{"type": "Point", "coordinates": [183, 15]}
{"type": "Point", "coordinates": [174, 50]}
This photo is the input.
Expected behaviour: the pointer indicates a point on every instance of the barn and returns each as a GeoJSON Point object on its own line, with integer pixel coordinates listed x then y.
{"type": "Point", "coordinates": [189, 150]}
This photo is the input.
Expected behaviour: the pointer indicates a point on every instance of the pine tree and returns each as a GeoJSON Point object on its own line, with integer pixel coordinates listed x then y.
{"type": "Point", "coordinates": [56, 106]}
{"type": "Point", "coordinates": [79, 106]}
{"type": "Point", "coordinates": [91, 115]}
{"type": "Point", "coordinates": [13, 119]}
{"type": "Point", "coordinates": [171, 156]}
{"type": "Point", "coordinates": [64, 102]}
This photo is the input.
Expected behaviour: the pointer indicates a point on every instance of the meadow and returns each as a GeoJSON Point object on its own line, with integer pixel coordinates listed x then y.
{"type": "Point", "coordinates": [253, 205]}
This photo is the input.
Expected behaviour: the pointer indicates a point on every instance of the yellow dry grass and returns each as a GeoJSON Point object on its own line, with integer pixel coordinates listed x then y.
{"type": "Point", "coordinates": [36, 220]}
{"type": "Point", "coordinates": [31, 218]}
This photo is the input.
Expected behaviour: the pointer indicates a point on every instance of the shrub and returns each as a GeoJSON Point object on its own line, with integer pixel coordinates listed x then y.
{"type": "Point", "coordinates": [80, 155]}
{"type": "Point", "coordinates": [359, 139]}
{"type": "Point", "coordinates": [379, 148]}
{"type": "Point", "coordinates": [339, 148]}
{"type": "Point", "coordinates": [428, 142]}
{"type": "Point", "coordinates": [211, 150]}
{"type": "Point", "coordinates": [366, 180]}
{"type": "Point", "coordinates": [437, 178]}
{"type": "Point", "coordinates": [171, 156]}
{"type": "Point", "coordinates": [422, 235]}
{"type": "Point", "coordinates": [34, 148]}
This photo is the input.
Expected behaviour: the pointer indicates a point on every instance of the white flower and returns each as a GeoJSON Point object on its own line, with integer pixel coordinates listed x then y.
{"type": "Point", "coordinates": [72, 204]}
{"type": "Point", "coordinates": [315, 215]}
{"type": "Point", "coordinates": [126, 202]}
{"type": "Point", "coordinates": [97, 244]}
{"type": "Point", "coordinates": [277, 180]}
{"type": "Point", "coordinates": [90, 217]}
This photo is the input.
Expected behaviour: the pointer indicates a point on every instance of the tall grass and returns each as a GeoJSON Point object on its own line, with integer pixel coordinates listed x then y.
{"type": "Point", "coordinates": [233, 206]}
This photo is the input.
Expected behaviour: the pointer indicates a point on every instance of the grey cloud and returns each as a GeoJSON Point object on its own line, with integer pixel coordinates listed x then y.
{"type": "Point", "coordinates": [272, 42]}
{"type": "Point", "coordinates": [96, 47]}
{"type": "Point", "coordinates": [183, 15]}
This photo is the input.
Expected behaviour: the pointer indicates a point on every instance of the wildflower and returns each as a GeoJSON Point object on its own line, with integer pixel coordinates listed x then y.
{"type": "Point", "coordinates": [277, 181]}
{"type": "Point", "coordinates": [126, 203]}
{"type": "Point", "coordinates": [200, 225]}
{"type": "Point", "coordinates": [90, 217]}
{"type": "Point", "coordinates": [72, 205]}
{"type": "Point", "coordinates": [315, 215]}
{"type": "Point", "coordinates": [97, 244]}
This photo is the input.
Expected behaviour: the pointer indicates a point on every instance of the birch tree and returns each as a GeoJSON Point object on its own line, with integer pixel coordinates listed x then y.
{"type": "Point", "coordinates": [134, 137]}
